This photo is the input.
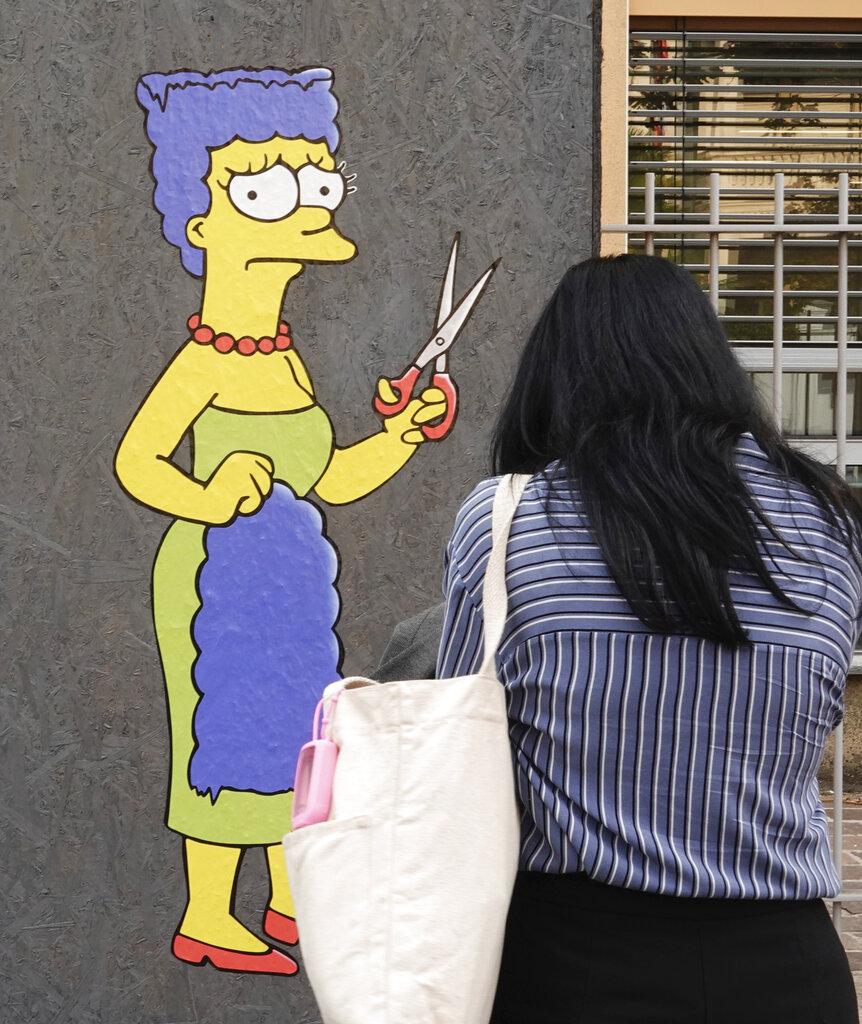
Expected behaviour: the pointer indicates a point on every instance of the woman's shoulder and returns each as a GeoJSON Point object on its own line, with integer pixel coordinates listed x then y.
{"type": "Point", "coordinates": [474, 515]}
{"type": "Point", "coordinates": [751, 459]}
{"type": "Point", "coordinates": [795, 517]}
{"type": "Point", "coordinates": [473, 522]}
{"type": "Point", "coordinates": [774, 489]}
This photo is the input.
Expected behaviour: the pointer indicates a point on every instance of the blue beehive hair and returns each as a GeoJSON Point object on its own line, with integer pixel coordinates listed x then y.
{"type": "Point", "coordinates": [189, 113]}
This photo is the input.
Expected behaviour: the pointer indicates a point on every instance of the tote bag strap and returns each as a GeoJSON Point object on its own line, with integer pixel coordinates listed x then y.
{"type": "Point", "coordinates": [495, 601]}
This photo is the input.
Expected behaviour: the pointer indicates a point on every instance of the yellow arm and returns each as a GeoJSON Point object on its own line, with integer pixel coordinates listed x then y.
{"type": "Point", "coordinates": [143, 462]}
{"type": "Point", "coordinates": [356, 471]}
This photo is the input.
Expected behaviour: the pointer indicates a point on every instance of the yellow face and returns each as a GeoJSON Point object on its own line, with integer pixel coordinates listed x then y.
{"type": "Point", "coordinates": [272, 202]}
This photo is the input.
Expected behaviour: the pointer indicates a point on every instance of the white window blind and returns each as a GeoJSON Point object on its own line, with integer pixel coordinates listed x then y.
{"type": "Point", "coordinates": [749, 105]}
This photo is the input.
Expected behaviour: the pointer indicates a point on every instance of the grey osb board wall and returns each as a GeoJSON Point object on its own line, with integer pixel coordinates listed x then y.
{"type": "Point", "coordinates": [852, 744]}
{"type": "Point", "coordinates": [478, 117]}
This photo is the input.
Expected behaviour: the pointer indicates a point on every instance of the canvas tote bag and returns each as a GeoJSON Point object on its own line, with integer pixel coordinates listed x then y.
{"type": "Point", "coordinates": [401, 896]}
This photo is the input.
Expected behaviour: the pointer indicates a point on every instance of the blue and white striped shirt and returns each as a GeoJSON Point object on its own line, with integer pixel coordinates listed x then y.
{"type": "Point", "coordinates": [664, 763]}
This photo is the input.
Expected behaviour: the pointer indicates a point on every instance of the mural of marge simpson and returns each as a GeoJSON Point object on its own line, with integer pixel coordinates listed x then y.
{"type": "Point", "coordinates": [243, 587]}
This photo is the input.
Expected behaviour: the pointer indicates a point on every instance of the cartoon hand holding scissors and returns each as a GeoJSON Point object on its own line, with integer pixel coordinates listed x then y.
{"type": "Point", "coordinates": [393, 396]}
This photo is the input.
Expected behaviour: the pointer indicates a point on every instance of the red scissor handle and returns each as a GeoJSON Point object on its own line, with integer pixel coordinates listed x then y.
{"type": "Point", "coordinates": [403, 386]}
{"type": "Point", "coordinates": [437, 431]}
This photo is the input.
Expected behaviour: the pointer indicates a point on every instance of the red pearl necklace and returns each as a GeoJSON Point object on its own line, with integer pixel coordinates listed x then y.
{"type": "Point", "coordinates": [246, 346]}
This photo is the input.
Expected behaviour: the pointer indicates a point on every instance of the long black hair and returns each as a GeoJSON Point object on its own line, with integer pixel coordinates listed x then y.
{"type": "Point", "coordinates": [628, 379]}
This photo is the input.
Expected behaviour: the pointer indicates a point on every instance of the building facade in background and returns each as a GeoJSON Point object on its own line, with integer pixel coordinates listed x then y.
{"type": "Point", "coordinates": [772, 103]}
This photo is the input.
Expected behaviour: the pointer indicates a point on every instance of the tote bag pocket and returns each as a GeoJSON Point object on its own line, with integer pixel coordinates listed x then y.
{"type": "Point", "coordinates": [340, 954]}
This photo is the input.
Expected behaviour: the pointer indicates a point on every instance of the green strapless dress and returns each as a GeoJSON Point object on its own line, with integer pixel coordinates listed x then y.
{"type": "Point", "coordinates": [300, 446]}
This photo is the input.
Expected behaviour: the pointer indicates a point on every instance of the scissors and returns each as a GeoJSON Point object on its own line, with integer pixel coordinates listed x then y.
{"type": "Point", "coordinates": [448, 326]}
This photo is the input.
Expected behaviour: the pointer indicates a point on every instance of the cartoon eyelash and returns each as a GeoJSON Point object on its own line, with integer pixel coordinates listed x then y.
{"type": "Point", "coordinates": [342, 167]}
{"type": "Point", "coordinates": [351, 189]}
{"type": "Point", "coordinates": [251, 169]}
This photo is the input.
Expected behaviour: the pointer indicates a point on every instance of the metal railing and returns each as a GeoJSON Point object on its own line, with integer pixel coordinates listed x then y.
{"type": "Point", "coordinates": [832, 355]}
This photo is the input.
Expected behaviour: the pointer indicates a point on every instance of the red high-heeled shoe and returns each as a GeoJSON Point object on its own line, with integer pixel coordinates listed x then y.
{"type": "Point", "coordinates": [280, 927]}
{"type": "Point", "coordinates": [194, 952]}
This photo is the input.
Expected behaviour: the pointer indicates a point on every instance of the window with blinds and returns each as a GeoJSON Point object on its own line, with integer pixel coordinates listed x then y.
{"type": "Point", "coordinates": [750, 104]}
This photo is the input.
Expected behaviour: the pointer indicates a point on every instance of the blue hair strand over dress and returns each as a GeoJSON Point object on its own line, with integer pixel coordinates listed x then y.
{"type": "Point", "coordinates": [267, 645]}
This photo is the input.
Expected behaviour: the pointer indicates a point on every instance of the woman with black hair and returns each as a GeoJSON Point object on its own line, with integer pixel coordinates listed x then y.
{"type": "Point", "coordinates": [684, 598]}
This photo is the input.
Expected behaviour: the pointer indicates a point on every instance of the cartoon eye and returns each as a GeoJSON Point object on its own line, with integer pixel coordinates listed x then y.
{"type": "Point", "coordinates": [267, 195]}
{"type": "Point", "coordinates": [320, 188]}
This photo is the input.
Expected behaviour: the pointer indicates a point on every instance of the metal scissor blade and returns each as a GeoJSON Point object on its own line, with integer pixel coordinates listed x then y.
{"type": "Point", "coordinates": [456, 321]}
{"type": "Point", "coordinates": [447, 292]}
{"type": "Point", "coordinates": [449, 330]}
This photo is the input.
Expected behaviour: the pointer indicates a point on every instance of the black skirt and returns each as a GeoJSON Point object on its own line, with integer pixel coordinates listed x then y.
{"type": "Point", "coordinates": [579, 952]}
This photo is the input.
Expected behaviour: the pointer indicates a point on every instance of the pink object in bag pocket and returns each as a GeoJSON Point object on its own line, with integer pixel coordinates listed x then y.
{"type": "Point", "coordinates": [315, 772]}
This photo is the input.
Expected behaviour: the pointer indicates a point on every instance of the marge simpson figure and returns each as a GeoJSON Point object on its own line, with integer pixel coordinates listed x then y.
{"type": "Point", "coordinates": [243, 583]}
